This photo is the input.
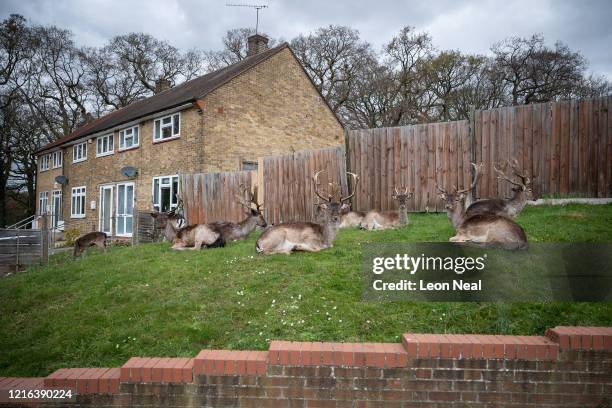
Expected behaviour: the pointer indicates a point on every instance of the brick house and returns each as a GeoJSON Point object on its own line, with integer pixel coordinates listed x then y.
{"type": "Point", "coordinates": [263, 105]}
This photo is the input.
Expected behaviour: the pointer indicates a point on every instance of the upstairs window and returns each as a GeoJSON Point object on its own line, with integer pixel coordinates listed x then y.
{"type": "Point", "coordinates": [79, 152]}
{"type": "Point", "coordinates": [167, 127]}
{"type": "Point", "coordinates": [104, 145]}
{"type": "Point", "coordinates": [44, 162]}
{"type": "Point", "coordinates": [56, 159]}
{"type": "Point", "coordinates": [128, 138]}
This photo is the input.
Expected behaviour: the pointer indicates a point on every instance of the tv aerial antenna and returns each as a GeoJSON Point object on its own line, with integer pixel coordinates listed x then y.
{"type": "Point", "coordinates": [256, 7]}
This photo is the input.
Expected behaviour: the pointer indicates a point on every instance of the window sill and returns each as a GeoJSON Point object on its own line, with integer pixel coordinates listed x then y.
{"type": "Point", "coordinates": [166, 139]}
{"type": "Point", "coordinates": [77, 216]}
{"type": "Point", "coordinates": [78, 161]}
{"type": "Point", "coordinates": [105, 154]}
{"type": "Point", "coordinates": [128, 148]}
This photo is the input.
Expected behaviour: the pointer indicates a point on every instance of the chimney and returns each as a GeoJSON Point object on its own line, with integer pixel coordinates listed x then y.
{"type": "Point", "coordinates": [256, 43]}
{"type": "Point", "coordinates": [162, 84]}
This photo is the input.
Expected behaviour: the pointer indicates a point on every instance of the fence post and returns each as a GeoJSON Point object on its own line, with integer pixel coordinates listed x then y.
{"type": "Point", "coordinates": [347, 164]}
{"type": "Point", "coordinates": [472, 141]}
{"type": "Point", "coordinates": [44, 230]}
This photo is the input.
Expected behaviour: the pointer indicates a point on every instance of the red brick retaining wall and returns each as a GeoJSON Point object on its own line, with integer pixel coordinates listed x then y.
{"type": "Point", "coordinates": [569, 367]}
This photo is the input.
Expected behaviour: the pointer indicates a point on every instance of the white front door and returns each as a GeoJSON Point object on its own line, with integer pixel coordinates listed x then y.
{"type": "Point", "coordinates": [125, 209]}
{"type": "Point", "coordinates": [106, 209]}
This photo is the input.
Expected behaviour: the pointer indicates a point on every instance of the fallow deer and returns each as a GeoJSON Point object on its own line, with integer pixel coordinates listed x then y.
{"type": "Point", "coordinates": [170, 222]}
{"type": "Point", "coordinates": [488, 230]}
{"type": "Point", "coordinates": [350, 218]}
{"type": "Point", "coordinates": [512, 206]}
{"type": "Point", "coordinates": [85, 241]}
{"type": "Point", "coordinates": [196, 237]}
{"type": "Point", "coordinates": [287, 237]}
{"type": "Point", "coordinates": [375, 219]}
{"type": "Point", "coordinates": [233, 231]}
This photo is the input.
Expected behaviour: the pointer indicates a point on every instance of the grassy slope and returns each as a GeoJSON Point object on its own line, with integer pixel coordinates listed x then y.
{"type": "Point", "coordinates": [150, 300]}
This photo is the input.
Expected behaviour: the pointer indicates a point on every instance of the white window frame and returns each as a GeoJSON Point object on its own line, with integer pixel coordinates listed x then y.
{"type": "Point", "coordinates": [56, 159]}
{"type": "Point", "coordinates": [157, 205]}
{"type": "Point", "coordinates": [82, 147]}
{"type": "Point", "coordinates": [159, 121]}
{"type": "Point", "coordinates": [135, 135]}
{"type": "Point", "coordinates": [78, 193]}
{"type": "Point", "coordinates": [110, 142]}
{"type": "Point", "coordinates": [45, 161]}
{"type": "Point", "coordinates": [43, 202]}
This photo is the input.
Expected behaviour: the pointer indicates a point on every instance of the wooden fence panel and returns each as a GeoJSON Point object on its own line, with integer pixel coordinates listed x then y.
{"type": "Point", "coordinates": [209, 197]}
{"type": "Point", "coordinates": [416, 157]}
{"type": "Point", "coordinates": [289, 190]}
{"type": "Point", "coordinates": [565, 144]}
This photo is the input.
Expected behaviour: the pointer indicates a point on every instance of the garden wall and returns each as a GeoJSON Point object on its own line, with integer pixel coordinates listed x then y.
{"type": "Point", "coordinates": [569, 367]}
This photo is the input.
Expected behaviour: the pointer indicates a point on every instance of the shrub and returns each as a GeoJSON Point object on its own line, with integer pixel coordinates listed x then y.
{"type": "Point", "coordinates": [71, 235]}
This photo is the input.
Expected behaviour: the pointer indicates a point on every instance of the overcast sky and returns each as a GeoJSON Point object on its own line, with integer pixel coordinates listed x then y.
{"type": "Point", "coordinates": [469, 26]}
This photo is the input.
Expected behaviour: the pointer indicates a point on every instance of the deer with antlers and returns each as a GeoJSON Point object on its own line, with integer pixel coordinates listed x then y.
{"type": "Point", "coordinates": [375, 220]}
{"type": "Point", "coordinates": [288, 237]}
{"type": "Point", "coordinates": [234, 231]}
{"type": "Point", "coordinates": [512, 206]}
{"type": "Point", "coordinates": [481, 229]}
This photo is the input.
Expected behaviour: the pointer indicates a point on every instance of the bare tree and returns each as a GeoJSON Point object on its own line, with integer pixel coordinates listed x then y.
{"type": "Point", "coordinates": [332, 57]}
{"type": "Point", "coordinates": [534, 72]}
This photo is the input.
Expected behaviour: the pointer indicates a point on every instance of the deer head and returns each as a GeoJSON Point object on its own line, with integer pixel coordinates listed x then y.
{"type": "Point", "coordinates": [454, 196]}
{"type": "Point", "coordinates": [402, 197]}
{"type": "Point", "coordinates": [247, 199]}
{"type": "Point", "coordinates": [332, 199]}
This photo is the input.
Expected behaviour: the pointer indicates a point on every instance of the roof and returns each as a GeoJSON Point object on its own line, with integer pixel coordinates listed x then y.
{"type": "Point", "coordinates": [187, 92]}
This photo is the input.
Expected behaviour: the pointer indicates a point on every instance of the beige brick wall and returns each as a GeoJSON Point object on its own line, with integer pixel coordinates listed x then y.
{"type": "Point", "coordinates": [271, 109]}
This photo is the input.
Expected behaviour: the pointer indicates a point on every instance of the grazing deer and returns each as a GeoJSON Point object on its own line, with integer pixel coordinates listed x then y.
{"type": "Point", "coordinates": [233, 231]}
{"type": "Point", "coordinates": [488, 230]}
{"type": "Point", "coordinates": [306, 236]}
{"type": "Point", "coordinates": [375, 219]}
{"type": "Point", "coordinates": [90, 239]}
{"type": "Point", "coordinates": [512, 206]}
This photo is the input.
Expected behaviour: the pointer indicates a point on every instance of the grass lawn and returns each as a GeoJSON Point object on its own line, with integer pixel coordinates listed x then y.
{"type": "Point", "coordinates": [152, 301]}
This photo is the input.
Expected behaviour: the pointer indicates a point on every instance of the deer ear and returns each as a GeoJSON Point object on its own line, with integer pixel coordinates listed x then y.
{"type": "Point", "coordinates": [323, 206]}
{"type": "Point", "coordinates": [442, 196]}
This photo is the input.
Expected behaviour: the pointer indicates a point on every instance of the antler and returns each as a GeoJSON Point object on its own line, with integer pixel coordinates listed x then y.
{"type": "Point", "coordinates": [315, 179]}
{"type": "Point", "coordinates": [477, 171]}
{"type": "Point", "coordinates": [355, 181]}
{"type": "Point", "coordinates": [501, 175]}
{"type": "Point", "coordinates": [524, 176]}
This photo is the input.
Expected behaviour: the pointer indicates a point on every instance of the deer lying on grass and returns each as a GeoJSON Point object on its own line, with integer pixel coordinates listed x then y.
{"type": "Point", "coordinates": [171, 222]}
{"type": "Point", "coordinates": [350, 218]}
{"type": "Point", "coordinates": [232, 231]}
{"type": "Point", "coordinates": [196, 237]}
{"type": "Point", "coordinates": [83, 242]}
{"type": "Point", "coordinates": [306, 236]}
{"type": "Point", "coordinates": [511, 207]}
{"type": "Point", "coordinates": [488, 230]}
{"type": "Point", "coordinates": [375, 219]}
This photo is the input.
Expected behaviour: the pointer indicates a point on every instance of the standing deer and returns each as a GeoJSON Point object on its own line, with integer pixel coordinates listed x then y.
{"type": "Point", "coordinates": [287, 237]}
{"type": "Point", "coordinates": [483, 229]}
{"type": "Point", "coordinates": [85, 241]}
{"type": "Point", "coordinates": [233, 231]}
{"type": "Point", "coordinates": [511, 207]}
{"type": "Point", "coordinates": [375, 219]}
